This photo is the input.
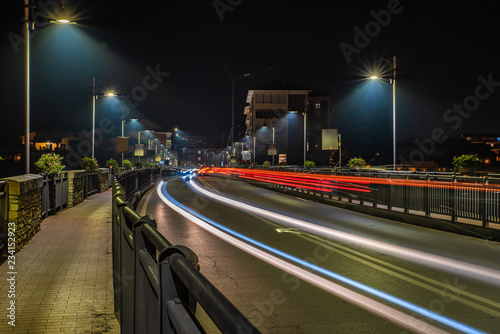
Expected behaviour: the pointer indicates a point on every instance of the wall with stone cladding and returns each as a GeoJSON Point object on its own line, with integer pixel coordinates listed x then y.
{"type": "Point", "coordinates": [25, 206]}
{"type": "Point", "coordinates": [103, 180]}
{"type": "Point", "coordinates": [75, 187]}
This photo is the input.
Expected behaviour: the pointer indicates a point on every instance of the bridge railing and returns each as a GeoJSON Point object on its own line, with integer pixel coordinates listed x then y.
{"type": "Point", "coordinates": [4, 214]}
{"type": "Point", "coordinates": [157, 286]}
{"type": "Point", "coordinates": [54, 193]}
{"type": "Point", "coordinates": [448, 194]}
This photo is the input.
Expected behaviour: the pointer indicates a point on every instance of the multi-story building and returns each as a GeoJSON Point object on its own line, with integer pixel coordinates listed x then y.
{"type": "Point", "coordinates": [275, 115]}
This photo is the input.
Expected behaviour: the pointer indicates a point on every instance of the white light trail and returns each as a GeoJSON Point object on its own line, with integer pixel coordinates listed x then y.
{"type": "Point", "coordinates": [455, 266]}
{"type": "Point", "coordinates": [362, 301]}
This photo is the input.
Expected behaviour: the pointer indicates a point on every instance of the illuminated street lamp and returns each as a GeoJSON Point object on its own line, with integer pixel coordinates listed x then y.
{"type": "Point", "coordinates": [392, 81]}
{"type": "Point", "coordinates": [272, 126]}
{"type": "Point", "coordinates": [29, 25]}
{"type": "Point", "coordinates": [293, 111]}
{"type": "Point", "coordinates": [95, 96]}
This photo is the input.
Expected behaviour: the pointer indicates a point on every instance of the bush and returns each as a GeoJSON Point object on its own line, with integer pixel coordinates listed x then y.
{"type": "Point", "coordinates": [138, 164]}
{"type": "Point", "coordinates": [113, 165]}
{"type": "Point", "coordinates": [127, 163]}
{"type": "Point", "coordinates": [467, 162]}
{"type": "Point", "coordinates": [266, 164]}
{"type": "Point", "coordinates": [89, 164]}
{"type": "Point", "coordinates": [309, 164]}
{"type": "Point", "coordinates": [357, 162]}
{"type": "Point", "coordinates": [50, 163]}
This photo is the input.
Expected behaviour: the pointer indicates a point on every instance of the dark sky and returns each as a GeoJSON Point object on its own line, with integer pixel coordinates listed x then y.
{"type": "Point", "coordinates": [441, 50]}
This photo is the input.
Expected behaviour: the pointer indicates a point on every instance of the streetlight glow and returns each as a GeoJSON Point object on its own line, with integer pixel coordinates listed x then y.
{"type": "Point", "coordinates": [374, 77]}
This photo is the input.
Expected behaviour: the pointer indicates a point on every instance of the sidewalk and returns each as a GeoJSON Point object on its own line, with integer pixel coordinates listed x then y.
{"type": "Point", "coordinates": [63, 280]}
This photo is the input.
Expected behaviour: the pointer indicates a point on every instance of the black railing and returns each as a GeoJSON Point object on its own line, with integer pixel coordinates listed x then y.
{"type": "Point", "coordinates": [54, 193]}
{"type": "Point", "coordinates": [90, 183]}
{"type": "Point", "coordinates": [4, 213]}
{"type": "Point", "coordinates": [157, 285]}
{"type": "Point", "coordinates": [452, 195]}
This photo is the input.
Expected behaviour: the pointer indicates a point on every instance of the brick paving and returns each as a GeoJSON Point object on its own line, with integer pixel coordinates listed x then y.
{"type": "Point", "coordinates": [64, 274]}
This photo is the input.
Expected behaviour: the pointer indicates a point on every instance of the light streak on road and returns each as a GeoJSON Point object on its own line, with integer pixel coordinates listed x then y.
{"type": "Point", "coordinates": [237, 239]}
{"type": "Point", "coordinates": [443, 263]}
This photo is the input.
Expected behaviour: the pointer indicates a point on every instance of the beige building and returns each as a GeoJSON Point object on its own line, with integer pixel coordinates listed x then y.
{"type": "Point", "coordinates": [277, 110]}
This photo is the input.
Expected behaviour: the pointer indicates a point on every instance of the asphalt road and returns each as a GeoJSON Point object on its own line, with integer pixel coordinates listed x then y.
{"type": "Point", "coordinates": [457, 278]}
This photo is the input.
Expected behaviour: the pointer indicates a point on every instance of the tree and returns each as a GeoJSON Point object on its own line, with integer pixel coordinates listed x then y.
{"type": "Point", "coordinates": [467, 163]}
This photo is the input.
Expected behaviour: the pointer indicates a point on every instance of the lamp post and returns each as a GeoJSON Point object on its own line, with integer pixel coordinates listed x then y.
{"type": "Point", "coordinates": [95, 96]}
{"type": "Point", "coordinates": [293, 111]}
{"type": "Point", "coordinates": [272, 126]}
{"type": "Point", "coordinates": [123, 131]}
{"type": "Point", "coordinates": [29, 25]}
{"type": "Point", "coordinates": [392, 81]}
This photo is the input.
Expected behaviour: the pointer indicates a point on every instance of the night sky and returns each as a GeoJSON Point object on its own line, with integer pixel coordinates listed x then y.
{"type": "Point", "coordinates": [443, 53]}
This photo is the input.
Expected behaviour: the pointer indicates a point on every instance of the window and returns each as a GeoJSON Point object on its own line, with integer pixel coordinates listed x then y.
{"type": "Point", "coordinates": [318, 105]}
{"type": "Point", "coordinates": [270, 98]}
{"type": "Point", "coordinates": [269, 113]}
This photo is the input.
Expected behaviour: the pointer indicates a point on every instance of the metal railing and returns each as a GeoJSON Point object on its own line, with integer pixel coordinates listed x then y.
{"type": "Point", "coordinates": [157, 285]}
{"type": "Point", "coordinates": [54, 193]}
{"type": "Point", "coordinates": [90, 183]}
{"type": "Point", "coordinates": [449, 194]}
{"type": "Point", "coordinates": [4, 213]}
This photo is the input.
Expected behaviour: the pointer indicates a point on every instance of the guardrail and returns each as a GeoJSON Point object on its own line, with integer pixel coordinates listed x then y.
{"type": "Point", "coordinates": [157, 285]}
{"type": "Point", "coordinates": [90, 183]}
{"type": "Point", "coordinates": [4, 213]}
{"type": "Point", "coordinates": [453, 195]}
{"type": "Point", "coordinates": [54, 193]}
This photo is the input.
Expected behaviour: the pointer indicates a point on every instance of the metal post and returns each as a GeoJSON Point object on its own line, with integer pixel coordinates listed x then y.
{"type": "Point", "coordinates": [305, 137]}
{"type": "Point", "coordinates": [394, 114]}
{"type": "Point", "coordinates": [93, 115]}
{"type": "Point", "coordinates": [27, 22]}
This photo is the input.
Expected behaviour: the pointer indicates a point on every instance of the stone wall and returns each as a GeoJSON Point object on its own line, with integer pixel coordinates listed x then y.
{"type": "Point", "coordinates": [75, 187]}
{"type": "Point", "coordinates": [103, 180]}
{"type": "Point", "coordinates": [25, 206]}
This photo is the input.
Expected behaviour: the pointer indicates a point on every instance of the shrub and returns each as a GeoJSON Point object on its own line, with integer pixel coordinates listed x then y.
{"type": "Point", "coordinates": [467, 162]}
{"type": "Point", "coordinates": [309, 164]}
{"type": "Point", "coordinates": [138, 164]}
{"type": "Point", "coordinates": [112, 164]}
{"type": "Point", "coordinates": [127, 163]}
{"type": "Point", "coordinates": [266, 164]}
{"type": "Point", "coordinates": [357, 162]}
{"type": "Point", "coordinates": [89, 164]}
{"type": "Point", "coordinates": [50, 163]}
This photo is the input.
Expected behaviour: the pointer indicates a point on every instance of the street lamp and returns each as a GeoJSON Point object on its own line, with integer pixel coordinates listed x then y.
{"type": "Point", "coordinates": [123, 131]}
{"type": "Point", "coordinates": [95, 96]}
{"type": "Point", "coordinates": [392, 81]}
{"type": "Point", "coordinates": [293, 111]}
{"type": "Point", "coordinates": [272, 126]}
{"type": "Point", "coordinates": [29, 25]}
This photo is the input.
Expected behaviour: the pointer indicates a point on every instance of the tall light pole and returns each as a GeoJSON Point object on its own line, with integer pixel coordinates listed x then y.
{"type": "Point", "coordinates": [293, 111]}
{"type": "Point", "coordinates": [29, 8]}
{"type": "Point", "coordinates": [233, 79]}
{"type": "Point", "coordinates": [273, 128]}
{"type": "Point", "coordinates": [29, 25]}
{"type": "Point", "coordinates": [392, 81]}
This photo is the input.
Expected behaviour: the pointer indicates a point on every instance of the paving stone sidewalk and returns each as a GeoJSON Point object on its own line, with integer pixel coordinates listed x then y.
{"type": "Point", "coordinates": [63, 280]}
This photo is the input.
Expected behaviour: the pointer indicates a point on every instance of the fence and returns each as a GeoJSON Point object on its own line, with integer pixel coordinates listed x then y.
{"type": "Point", "coordinates": [455, 196]}
{"type": "Point", "coordinates": [90, 183]}
{"type": "Point", "coordinates": [54, 193]}
{"type": "Point", "coordinates": [4, 213]}
{"type": "Point", "coordinates": [157, 286]}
